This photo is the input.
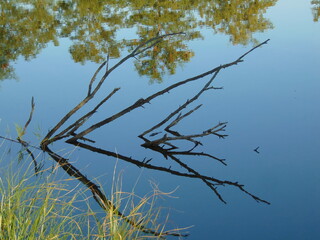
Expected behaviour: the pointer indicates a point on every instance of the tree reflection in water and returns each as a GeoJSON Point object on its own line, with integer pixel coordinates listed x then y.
{"type": "Point", "coordinates": [315, 10]}
{"type": "Point", "coordinates": [28, 26]}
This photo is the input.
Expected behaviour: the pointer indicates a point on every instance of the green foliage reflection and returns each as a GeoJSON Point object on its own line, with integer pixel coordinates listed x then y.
{"type": "Point", "coordinates": [315, 10]}
{"type": "Point", "coordinates": [94, 27]}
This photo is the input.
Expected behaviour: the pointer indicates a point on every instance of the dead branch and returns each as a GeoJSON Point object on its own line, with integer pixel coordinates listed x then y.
{"type": "Point", "coordinates": [210, 181]}
{"type": "Point", "coordinates": [47, 139]}
{"type": "Point", "coordinates": [166, 140]}
{"type": "Point", "coordinates": [151, 97]}
{"type": "Point", "coordinates": [163, 145]}
{"type": "Point", "coordinates": [70, 130]}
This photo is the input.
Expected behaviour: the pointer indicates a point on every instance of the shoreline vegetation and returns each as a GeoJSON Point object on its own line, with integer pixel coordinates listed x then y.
{"type": "Point", "coordinates": [44, 206]}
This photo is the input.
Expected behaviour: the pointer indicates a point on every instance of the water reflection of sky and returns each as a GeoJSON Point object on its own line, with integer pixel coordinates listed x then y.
{"type": "Point", "coordinates": [270, 100]}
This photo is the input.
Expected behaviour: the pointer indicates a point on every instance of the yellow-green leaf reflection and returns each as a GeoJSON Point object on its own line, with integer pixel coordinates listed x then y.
{"type": "Point", "coordinates": [27, 26]}
{"type": "Point", "coordinates": [315, 10]}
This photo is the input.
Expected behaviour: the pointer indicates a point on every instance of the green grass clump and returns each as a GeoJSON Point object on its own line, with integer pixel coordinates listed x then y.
{"type": "Point", "coordinates": [42, 208]}
{"type": "Point", "coordinates": [36, 208]}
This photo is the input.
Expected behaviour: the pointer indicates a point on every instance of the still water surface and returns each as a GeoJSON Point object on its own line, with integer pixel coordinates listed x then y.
{"type": "Point", "coordinates": [270, 101]}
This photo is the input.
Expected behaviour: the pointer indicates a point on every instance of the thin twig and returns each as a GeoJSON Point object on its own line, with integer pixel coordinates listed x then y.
{"type": "Point", "coordinates": [24, 143]}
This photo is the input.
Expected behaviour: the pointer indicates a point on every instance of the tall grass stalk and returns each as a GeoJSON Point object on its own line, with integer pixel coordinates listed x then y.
{"type": "Point", "coordinates": [142, 210]}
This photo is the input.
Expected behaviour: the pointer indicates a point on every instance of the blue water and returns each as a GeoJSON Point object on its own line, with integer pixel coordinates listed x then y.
{"type": "Point", "coordinates": [270, 100]}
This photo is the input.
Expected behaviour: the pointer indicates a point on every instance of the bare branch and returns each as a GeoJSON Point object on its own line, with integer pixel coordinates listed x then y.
{"type": "Point", "coordinates": [91, 94]}
{"type": "Point", "coordinates": [180, 117]}
{"type": "Point", "coordinates": [95, 75]}
{"type": "Point", "coordinates": [30, 116]}
{"type": "Point", "coordinates": [163, 145]}
{"type": "Point", "coordinates": [77, 124]}
{"type": "Point", "coordinates": [182, 106]}
{"type": "Point", "coordinates": [151, 97]}
{"type": "Point", "coordinates": [259, 45]}
{"type": "Point", "coordinates": [210, 181]}
{"type": "Point", "coordinates": [189, 153]}
{"type": "Point", "coordinates": [25, 144]}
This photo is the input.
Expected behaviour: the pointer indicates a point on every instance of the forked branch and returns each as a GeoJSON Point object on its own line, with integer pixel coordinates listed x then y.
{"type": "Point", "coordinates": [166, 145]}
